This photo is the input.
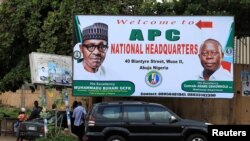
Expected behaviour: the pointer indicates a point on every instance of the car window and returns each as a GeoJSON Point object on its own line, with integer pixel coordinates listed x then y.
{"type": "Point", "coordinates": [109, 112]}
{"type": "Point", "coordinates": [135, 113]}
{"type": "Point", "coordinates": [158, 114]}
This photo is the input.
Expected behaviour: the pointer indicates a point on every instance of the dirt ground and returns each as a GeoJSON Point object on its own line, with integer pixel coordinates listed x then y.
{"type": "Point", "coordinates": [7, 138]}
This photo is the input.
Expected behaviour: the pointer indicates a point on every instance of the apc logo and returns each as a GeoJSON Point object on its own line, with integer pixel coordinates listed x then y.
{"type": "Point", "coordinates": [153, 78]}
{"type": "Point", "coordinates": [229, 51]}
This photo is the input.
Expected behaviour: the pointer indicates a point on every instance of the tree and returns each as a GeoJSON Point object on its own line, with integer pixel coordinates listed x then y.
{"type": "Point", "coordinates": [46, 26]}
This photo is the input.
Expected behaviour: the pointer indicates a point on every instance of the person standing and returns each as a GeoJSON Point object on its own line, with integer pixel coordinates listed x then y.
{"type": "Point", "coordinates": [79, 115]}
{"type": "Point", "coordinates": [35, 112]}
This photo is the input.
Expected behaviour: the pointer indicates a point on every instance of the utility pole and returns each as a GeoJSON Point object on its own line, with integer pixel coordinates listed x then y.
{"type": "Point", "coordinates": [25, 86]}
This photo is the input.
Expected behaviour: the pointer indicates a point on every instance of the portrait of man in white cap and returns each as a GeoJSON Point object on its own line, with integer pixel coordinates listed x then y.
{"type": "Point", "coordinates": [93, 49]}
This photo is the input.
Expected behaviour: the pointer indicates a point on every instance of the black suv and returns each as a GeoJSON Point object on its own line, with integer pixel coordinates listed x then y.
{"type": "Point", "coordinates": [135, 120]}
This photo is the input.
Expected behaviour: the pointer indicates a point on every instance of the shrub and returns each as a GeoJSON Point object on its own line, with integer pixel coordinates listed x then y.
{"type": "Point", "coordinates": [60, 137]}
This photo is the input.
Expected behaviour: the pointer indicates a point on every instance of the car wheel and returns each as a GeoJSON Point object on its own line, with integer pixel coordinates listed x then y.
{"type": "Point", "coordinates": [116, 138]}
{"type": "Point", "coordinates": [196, 137]}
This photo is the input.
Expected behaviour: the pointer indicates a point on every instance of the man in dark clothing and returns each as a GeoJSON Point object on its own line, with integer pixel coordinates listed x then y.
{"type": "Point", "coordinates": [36, 111]}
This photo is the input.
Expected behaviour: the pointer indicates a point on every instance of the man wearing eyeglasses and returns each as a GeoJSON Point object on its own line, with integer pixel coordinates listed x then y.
{"type": "Point", "coordinates": [93, 48]}
{"type": "Point", "coordinates": [211, 57]}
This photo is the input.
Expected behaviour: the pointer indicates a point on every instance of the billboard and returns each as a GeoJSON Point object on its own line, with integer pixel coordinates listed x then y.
{"type": "Point", "coordinates": [51, 69]}
{"type": "Point", "coordinates": [153, 56]}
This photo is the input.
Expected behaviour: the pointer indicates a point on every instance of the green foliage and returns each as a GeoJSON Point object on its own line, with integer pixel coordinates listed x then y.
{"type": "Point", "coordinates": [57, 133]}
{"type": "Point", "coordinates": [47, 26]}
{"type": "Point", "coordinates": [11, 111]}
{"type": "Point", "coordinates": [60, 137]}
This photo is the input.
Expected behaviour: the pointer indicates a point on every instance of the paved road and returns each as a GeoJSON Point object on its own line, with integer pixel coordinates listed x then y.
{"type": "Point", "coordinates": [7, 138]}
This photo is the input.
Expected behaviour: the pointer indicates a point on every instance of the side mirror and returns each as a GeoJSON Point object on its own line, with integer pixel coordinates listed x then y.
{"type": "Point", "coordinates": [172, 119]}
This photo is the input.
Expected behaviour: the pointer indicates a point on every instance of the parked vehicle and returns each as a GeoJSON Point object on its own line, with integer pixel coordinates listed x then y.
{"type": "Point", "coordinates": [131, 121]}
{"type": "Point", "coordinates": [33, 129]}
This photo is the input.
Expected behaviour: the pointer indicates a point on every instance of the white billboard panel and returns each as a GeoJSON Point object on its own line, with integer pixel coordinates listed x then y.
{"type": "Point", "coordinates": [156, 56]}
{"type": "Point", "coordinates": [51, 68]}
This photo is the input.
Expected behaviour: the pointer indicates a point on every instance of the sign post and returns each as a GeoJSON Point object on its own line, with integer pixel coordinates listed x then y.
{"type": "Point", "coordinates": [66, 100]}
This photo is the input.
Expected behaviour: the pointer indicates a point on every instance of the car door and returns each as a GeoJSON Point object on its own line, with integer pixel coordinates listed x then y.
{"type": "Point", "coordinates": [108, 116]}
{"type": "Point", "coordinates": [136, 121]}
{"type": "Point", "coordinates": [161, 126]}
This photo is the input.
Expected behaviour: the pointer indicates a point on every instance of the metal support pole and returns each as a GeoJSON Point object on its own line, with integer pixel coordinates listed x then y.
{"type": "Point", "coordinates": [43, 99]}
{"type": "Point", "coordinates": [22, 97]}
{"type": "Point", "coordinates": [66, 100]}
